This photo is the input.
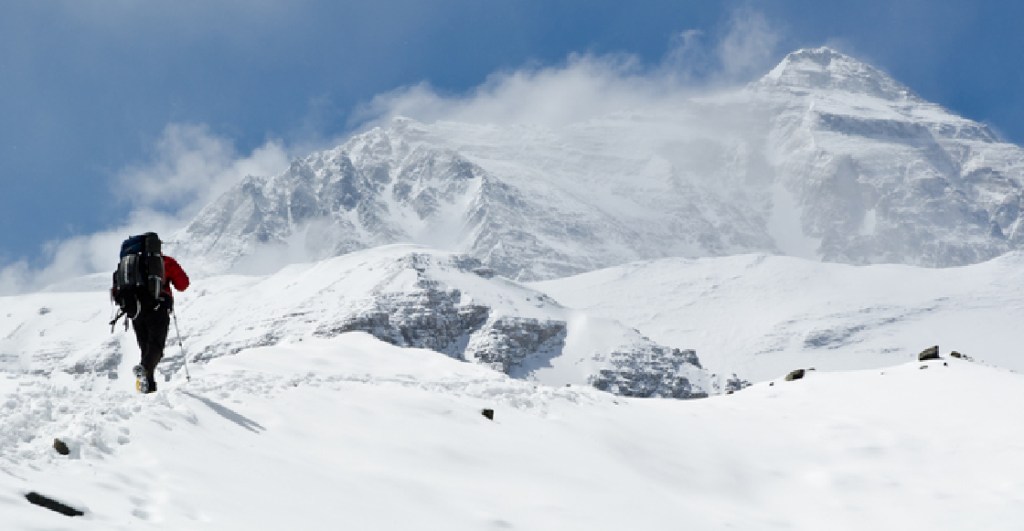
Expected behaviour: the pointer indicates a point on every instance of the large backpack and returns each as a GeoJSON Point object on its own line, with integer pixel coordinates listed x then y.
{"type": "Point", "coordinates": [139, 278]}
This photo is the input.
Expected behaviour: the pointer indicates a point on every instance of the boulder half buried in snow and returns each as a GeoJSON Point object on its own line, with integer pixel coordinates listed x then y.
{"type": "Point", "coordinates": [795, 375]}
{"type": "Point", "coordinates": [930, 353]}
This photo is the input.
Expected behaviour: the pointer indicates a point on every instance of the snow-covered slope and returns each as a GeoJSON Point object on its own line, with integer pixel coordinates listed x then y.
{"type": "Point", "coordinates": [355, 433]}
{"type": "Point", "coordinates": [825, 157]}
{"type": "Point", "coordinates": [408, 296]}
{"type": "Point", "coordinates": [295, 417]}
{"type": "Point", "coordinates": [761, 316]}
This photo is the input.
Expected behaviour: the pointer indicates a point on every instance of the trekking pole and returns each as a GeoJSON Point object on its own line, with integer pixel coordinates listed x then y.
{"type": "Point", "coordinates": [174, 314]}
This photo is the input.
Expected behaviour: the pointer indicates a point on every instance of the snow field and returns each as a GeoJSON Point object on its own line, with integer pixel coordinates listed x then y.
{"type": "Point", "coordinates": [354, 433]}
{"type": "Point", "coordinates": [762, 316]}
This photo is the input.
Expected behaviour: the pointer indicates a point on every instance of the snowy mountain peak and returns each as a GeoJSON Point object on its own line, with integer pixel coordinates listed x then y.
{"type": "Point", "coordinates": [824, 68]}
{"type": "Point", "coordinates": [826, 157]}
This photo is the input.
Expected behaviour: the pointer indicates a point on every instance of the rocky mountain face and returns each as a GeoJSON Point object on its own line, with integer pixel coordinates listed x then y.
{"type": "Point", "coordinates": [824, 157]}
{"type": "Point", "coordinates": [883, 176]}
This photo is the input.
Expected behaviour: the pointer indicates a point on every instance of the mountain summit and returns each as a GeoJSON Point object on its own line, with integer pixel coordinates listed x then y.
{"type": "Point", "coordinates": [827, 69]}
{"type": "Point", "coordinates": [825, 157]}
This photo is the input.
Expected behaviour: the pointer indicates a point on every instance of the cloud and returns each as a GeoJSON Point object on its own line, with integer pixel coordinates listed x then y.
{"type": "Point", "coordinates": [687, 59]}
{"type": "Point", "coordinates": [189, 167]}
{"type": "Point", "coordinates": [587, 86]}
{"type": "Point", "coordinates": [68, 260]}
{"type": "Point", "coordinates": [748, 46]}
{"type": "Point", "coordinates": [584, 86]}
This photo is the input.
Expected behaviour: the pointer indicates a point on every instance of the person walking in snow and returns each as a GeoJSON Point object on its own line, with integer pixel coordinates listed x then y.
{"type": "Point", "coordinates": [142, 290]}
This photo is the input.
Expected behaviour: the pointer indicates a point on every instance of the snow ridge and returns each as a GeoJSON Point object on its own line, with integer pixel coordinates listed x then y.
{"type": "Point", "coordinates": [407, 296]}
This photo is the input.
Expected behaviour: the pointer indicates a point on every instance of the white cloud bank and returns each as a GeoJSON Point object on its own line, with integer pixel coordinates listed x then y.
{"type": "Point", "coordinates": [190, 167]}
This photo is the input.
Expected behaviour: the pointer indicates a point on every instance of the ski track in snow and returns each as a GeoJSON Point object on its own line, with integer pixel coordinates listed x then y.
{"type": "Point", "coordinates": [93, 417]}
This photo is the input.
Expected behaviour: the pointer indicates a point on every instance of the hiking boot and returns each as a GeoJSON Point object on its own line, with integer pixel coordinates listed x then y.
{"type": "Point", "coordinates": [142, 383]}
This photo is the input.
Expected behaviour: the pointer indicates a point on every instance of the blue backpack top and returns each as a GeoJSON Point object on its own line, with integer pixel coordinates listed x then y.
{"type": "Point", "coordinates": [148, 243]}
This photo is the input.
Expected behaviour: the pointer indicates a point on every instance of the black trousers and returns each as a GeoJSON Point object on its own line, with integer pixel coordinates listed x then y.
{"type": "Point", "coordinates": [151, 333]}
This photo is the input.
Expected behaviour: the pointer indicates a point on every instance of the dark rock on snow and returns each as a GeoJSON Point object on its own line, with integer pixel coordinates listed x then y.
{"type": "Point", "coordinates": [930, 353]}
{"type": "Point", "coordinates": [52, 504]}
{"type": "Point", "coordinates": [60, 447]}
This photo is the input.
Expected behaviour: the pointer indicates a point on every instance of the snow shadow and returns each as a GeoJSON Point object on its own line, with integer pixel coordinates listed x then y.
{"type": "Point", "coordinates": [229, 414]}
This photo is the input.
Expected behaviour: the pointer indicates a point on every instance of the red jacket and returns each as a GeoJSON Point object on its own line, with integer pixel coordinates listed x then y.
{"type": "Point", "coordinates": [175, 276]}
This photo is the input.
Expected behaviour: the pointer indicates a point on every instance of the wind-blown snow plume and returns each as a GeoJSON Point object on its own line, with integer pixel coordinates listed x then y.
{"type": "Point", "coordinates": [748, 47]}
{"type": "Point", "coordinates": [588, 86]}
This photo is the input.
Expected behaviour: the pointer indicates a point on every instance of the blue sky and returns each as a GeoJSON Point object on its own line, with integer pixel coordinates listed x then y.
{"type": "Point", "coordinates": [95, 92]}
